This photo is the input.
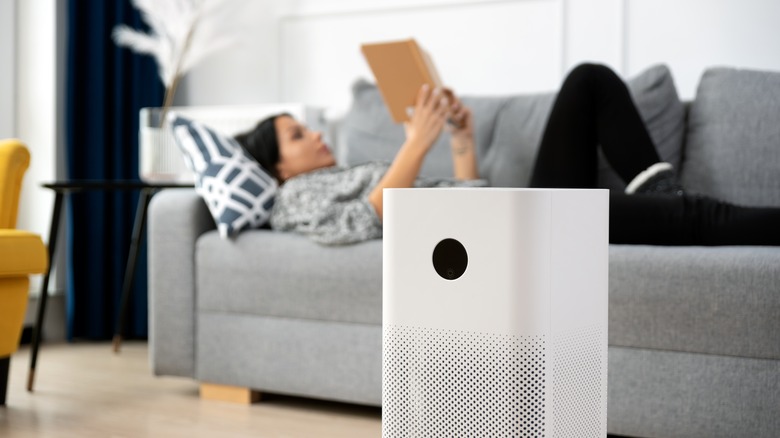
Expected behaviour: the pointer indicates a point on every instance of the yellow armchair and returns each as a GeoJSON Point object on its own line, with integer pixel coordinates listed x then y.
{"type": "Point", "coordinates": [21, 254]}
{"type": "Point", "coordinates": [14, 161]}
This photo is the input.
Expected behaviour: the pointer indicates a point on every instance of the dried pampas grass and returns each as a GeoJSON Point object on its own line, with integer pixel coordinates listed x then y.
{"type": "Point", "coordinates": [181, 34]}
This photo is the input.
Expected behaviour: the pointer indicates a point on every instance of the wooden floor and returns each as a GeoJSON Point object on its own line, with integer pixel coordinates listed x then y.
{"type": "Point", "coordinates": [84, 390]}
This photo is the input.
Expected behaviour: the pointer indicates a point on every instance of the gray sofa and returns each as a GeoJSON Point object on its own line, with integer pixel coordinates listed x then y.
{"type": "Point", "coordinates": [694, 332]}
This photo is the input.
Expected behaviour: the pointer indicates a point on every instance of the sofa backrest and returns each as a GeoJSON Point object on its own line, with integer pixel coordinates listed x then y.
{"type": "Point", "coordinates": [507, 130]}
{"type": "Point", "coordinates": [732, 147]}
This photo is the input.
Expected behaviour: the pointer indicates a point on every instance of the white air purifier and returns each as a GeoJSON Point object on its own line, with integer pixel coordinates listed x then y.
{"type": "Point", "coordinates": [495, 313]}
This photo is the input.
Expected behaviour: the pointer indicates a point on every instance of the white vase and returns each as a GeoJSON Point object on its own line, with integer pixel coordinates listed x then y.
{"type": "Point", "coordinates": [159, 158]}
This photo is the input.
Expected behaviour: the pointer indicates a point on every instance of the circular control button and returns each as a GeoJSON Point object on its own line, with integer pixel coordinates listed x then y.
{"type": "Point", "coordinates": [450, 259]}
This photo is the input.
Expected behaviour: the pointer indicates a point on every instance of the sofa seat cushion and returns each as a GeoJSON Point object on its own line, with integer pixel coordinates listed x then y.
{"type": "Point", "coordinates": [712, 300]}
{"type": "Point", "coordinates": [286, 275]}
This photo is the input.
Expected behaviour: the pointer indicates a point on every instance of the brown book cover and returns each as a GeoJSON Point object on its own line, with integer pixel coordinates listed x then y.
{"type": "Point", "coordinates": [400, 69]}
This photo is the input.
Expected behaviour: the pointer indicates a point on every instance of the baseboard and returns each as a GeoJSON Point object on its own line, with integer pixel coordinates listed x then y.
{"type": "Point", "coordinates": [54, 324]}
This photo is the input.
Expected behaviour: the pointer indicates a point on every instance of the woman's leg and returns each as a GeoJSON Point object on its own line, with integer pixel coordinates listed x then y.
{"type": "Point", "coordinates": [592, 108]}
{"type": "Point", "coordinates": [595, 108]}
{"type": "Point", "coordinates": [689, 220]}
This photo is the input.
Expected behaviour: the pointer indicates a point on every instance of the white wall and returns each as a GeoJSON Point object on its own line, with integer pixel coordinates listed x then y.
{"type": "Point", "coordinates": [307, 50]}
{"type": "Point", "coordinates": [250, 77]}
{"type": "Point", "coordinates": [529, 52]}
{"type": "Point", "coordinates": [7, 56]}
{"type": "Point", "coordinates": [35, 108]}
{"type": "Point", "coordinates": [692, 35]}
{"type": "Point", "coordinates": [37, 112]}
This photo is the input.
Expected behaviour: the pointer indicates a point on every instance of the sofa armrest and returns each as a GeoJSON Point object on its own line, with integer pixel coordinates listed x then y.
{"type": "Point", "coordinates": [177, 218]}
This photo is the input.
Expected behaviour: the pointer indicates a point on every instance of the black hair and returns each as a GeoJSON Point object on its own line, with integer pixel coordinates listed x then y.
{"type": "Point", "coordinates": [262, 143]}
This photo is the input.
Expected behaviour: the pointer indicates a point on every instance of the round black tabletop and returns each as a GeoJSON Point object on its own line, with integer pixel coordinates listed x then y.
{"type": "Point", "coordinates": [95, 184]}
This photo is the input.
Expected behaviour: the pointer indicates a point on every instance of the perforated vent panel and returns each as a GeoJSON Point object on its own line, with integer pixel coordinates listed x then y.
{"type": "Point", "coordinates": [443, 383]}
{"type": "Point", "coordinates": [579, 389]}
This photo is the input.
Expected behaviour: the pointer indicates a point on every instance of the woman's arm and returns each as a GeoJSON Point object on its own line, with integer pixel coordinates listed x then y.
{"type": "Point", "coordinates": [430, 115]}
{"type": "Point", "coordinates": [464, 158]}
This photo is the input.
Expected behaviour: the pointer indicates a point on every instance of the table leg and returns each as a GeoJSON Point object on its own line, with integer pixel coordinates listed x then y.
{"type": "Point", "coordinates": [44, 295]}
{"type": "Point", "coordinates": [135, 243]}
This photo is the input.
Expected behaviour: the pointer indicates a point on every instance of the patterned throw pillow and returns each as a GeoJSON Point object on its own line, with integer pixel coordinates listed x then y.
{"type": "Point", "coordinates": [237, 190]}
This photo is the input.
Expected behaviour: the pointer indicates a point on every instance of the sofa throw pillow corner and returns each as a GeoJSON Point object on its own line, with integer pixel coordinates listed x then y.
{"type": "Point", "coordinates": [239, 193]}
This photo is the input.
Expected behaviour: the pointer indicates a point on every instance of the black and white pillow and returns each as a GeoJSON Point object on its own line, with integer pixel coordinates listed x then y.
{"type": "Point", "coordinates": [237, 190]}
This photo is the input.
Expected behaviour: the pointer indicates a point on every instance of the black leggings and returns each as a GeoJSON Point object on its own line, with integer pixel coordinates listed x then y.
{"type": "Point", "coordinates": [595, 108]}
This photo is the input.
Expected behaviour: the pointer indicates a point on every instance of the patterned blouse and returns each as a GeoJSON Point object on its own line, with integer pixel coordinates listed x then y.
{"type": "Point", "coordinates": [331, 205]}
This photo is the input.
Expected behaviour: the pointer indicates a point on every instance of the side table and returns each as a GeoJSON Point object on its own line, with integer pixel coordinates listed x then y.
{"type": "Point", "coordinates": [62, 188]}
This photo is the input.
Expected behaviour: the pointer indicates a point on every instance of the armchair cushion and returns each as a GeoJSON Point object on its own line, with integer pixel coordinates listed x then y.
{"type": "Point", "coordinates": [21, 253]}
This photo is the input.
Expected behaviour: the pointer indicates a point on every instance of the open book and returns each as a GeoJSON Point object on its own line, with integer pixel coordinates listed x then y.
{"type": "Point", "coordinates": [400, 69]}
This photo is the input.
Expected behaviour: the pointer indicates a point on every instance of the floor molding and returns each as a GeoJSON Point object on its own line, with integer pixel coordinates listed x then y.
{"type": "Point", "coordinates": [54, 324]}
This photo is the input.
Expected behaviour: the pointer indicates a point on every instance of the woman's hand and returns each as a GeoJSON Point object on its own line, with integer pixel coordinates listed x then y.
{"type": "Point", "coordinates": [430, 115]}
{"type": "Point", "coordinates": [461, 126]}
{"type": "Point", "coordinates": [431, 112]}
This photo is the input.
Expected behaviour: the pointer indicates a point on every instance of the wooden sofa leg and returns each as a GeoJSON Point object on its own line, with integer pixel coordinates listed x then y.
{"type": "Point", "coordinates": [232, 394]}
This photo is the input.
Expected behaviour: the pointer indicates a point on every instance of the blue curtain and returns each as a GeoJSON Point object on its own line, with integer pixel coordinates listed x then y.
{"type": "Point", "coordinates": [106, 87]}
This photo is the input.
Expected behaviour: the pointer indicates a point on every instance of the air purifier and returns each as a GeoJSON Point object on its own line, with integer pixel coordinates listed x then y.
{"type": "Point", "coordinates": [494, 312]}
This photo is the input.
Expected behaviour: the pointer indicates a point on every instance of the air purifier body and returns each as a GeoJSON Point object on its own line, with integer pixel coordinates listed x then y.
{"type": "Point", "coordinates": [495, 312]}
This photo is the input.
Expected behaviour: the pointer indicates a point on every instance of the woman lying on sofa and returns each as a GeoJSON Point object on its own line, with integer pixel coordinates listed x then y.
{"type": "Point", "coordinates": [336, 205]}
